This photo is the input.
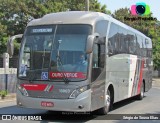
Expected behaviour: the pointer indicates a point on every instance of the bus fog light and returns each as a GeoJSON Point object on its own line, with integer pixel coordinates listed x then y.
{"type": "Point", "coordinates": [80, 106]}
{"type": "Point", "coordinates": [19, 103]}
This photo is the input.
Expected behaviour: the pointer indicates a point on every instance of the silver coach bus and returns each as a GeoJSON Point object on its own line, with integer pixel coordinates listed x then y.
{"type": "Point", "coordinates": [81, 61]}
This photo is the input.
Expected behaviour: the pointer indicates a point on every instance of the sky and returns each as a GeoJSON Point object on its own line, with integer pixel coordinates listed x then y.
{"type": "Point", "coordinates": [113, 5]}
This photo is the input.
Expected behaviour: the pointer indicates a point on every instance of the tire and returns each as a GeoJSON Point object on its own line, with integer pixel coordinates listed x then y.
{"type": "Point", "coordinates": [108, 104]}
{"type": "Point", "coordinates": [141, 95]}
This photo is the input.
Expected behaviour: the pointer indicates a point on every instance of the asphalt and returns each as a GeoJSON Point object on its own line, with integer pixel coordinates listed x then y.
{"type": "Point", "coordinates": [12, 97]}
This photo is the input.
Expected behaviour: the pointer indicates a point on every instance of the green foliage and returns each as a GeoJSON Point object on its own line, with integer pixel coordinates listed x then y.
{"type": "Point", "coordinates": [3, 93]}
{"type": "Point", "coordinates": [3, 39]}
{"type": "Point", "coordinates": [150, 28]}
{"type": "Point", "coordinates": [15, 14]}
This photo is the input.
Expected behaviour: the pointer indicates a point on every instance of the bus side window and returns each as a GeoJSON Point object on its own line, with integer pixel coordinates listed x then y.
{"type": "Point", "coordinates": [110, 48]}
{"type": "Point", "coordinates": [123, 48]}
{"type": "Point", "coordinates": [132, 43]}
{"type": "Point", "coordinates": [113, 40]}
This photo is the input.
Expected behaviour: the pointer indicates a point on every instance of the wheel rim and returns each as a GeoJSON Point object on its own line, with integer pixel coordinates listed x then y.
{"type": "Point", "coordinates": [142, 91]}
{"type": "Point", "coordinates": [108, 101]}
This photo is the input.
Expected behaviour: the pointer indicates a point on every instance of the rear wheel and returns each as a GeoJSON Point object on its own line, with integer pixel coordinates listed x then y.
{"type": "Point", "coordinates": [141, 95]}
{"type": "Point", "coordinates": [108, 104]}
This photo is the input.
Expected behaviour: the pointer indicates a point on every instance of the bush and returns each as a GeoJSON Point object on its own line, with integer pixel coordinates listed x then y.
{"type": "Point", "coordinates": [3, 93]}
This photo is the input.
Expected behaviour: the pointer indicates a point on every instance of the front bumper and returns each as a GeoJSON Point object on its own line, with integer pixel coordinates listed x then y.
{"type": "Point", "coordinates": [83, 99]}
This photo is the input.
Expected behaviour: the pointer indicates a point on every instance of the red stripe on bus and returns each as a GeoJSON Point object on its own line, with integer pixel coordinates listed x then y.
{"type": "Point", "coordinates": [34, 87]}
{"type": "Point", "coordinates": [51, 88]}
{"type": "Point", "coordinates": [134, 80]}
{"type": "Point", "coordinates": [141, 75]}
{"type": "Point", "coordinates": [135, 76]}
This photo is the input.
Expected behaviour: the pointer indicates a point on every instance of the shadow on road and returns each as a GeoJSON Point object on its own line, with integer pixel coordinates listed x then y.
{"type": "Point", "coordinates": [125, 102]}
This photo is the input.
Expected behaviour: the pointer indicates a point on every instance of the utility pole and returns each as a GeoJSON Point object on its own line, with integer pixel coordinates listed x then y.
{"type": "Point", "coordinates": [87, 5]}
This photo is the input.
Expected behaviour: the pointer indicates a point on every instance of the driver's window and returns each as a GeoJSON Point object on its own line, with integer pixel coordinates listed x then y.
{"type": "Point", "coordinates": [95, 56]}
{"type": "Point", "coordinates": [95, 62]}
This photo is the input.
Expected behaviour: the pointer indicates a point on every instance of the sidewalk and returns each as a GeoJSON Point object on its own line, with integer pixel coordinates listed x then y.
{"type": "Point", "coordinates": [156, 82]}
{"type": "Point", "coordinates": [12, 97]}
{"type": "Point", "coordinates": [8, 98]}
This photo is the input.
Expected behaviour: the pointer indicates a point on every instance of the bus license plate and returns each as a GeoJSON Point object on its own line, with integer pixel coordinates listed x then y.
{"type": "Point", "coordinates": [47, 104]}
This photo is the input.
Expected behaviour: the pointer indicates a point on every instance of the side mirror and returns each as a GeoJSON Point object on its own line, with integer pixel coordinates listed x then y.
{"type": "Point", "coordinates": [10, 45]}
{"type": "Point", "coordinates": [90, 41]}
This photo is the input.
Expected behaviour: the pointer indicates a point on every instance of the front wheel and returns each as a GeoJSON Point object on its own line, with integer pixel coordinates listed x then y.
{"type": "Point", "coordinates": [108, 104]}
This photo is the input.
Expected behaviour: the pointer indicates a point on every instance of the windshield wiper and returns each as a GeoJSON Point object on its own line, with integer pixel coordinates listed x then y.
{"type": "Point", "coordinates": [62, 68]}
{"type": "Point", "coordinates": [58, 56]}
{"type": "Point", "coordinates": [44, 54]}
{"type": "Point", "coordinates": [61, 65]}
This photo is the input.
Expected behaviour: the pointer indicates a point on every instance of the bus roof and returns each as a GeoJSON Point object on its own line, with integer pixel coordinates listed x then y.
{"type": "Point", "coordinates": [79, 17]}
{"type": "Point", "coordinates": [70, 17]}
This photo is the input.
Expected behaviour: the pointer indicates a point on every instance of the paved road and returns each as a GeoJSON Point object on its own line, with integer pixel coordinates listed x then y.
{"type": "Point", "coordinates": [149, 105]}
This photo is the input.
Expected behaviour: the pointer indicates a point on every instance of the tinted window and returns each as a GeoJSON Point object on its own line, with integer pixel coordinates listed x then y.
{"type": "Point", "coordinates": [123, 42]}
{"type": "Point", "coordinates": [113, 40]}
{"type": "Point", "coordinates": [95, 63]}
{"type": "Point", "coordinates": [98, 60]}
{"type": "Point", "coordinates": [139, 45]}
{"type": "Point", "coordinates": [102, 55]}
{"type": "Point", "coordinates": [118, 40]}
{"type": "Point", "coordinates": [132, 43]}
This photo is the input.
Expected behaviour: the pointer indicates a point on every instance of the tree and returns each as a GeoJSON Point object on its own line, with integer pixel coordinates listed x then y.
{"type": "Point", "coordinates": [3, 39]}
{"type": "Point", "coordinates": [15, 14]}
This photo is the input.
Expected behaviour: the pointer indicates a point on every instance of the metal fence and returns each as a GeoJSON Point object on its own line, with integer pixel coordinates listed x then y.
{"type": "Point", "coordinates": [13, 62]}
{"type": "Point", "coordinates": [156, 73]}
{"type": "Point", "coordinates": [8, 79]}
{"type": "Point", "coordinates": [8, 82]}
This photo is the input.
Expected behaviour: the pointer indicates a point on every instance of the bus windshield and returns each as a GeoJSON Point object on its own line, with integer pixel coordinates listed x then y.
{"type": "Point", "coordinates": [54, 52]}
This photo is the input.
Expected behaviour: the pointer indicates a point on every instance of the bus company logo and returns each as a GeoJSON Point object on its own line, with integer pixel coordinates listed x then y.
{"type": "Point", "coordinates": [140, 9]}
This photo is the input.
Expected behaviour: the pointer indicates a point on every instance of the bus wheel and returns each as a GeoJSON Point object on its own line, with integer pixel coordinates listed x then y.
{"type": "Point", "coordinates": [141, 95]}
{"type": "Point", "coordinates": [108, 103]}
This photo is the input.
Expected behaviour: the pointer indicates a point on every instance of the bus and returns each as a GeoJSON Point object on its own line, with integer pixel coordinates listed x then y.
{"type": "Point", "coordinates": [81, 61]}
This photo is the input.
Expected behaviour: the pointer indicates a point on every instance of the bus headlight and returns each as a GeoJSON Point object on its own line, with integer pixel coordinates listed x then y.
{"type": "Point", "coordinates": [78, 91]}
{"type": "Point", "coordinates": [22, 90]}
